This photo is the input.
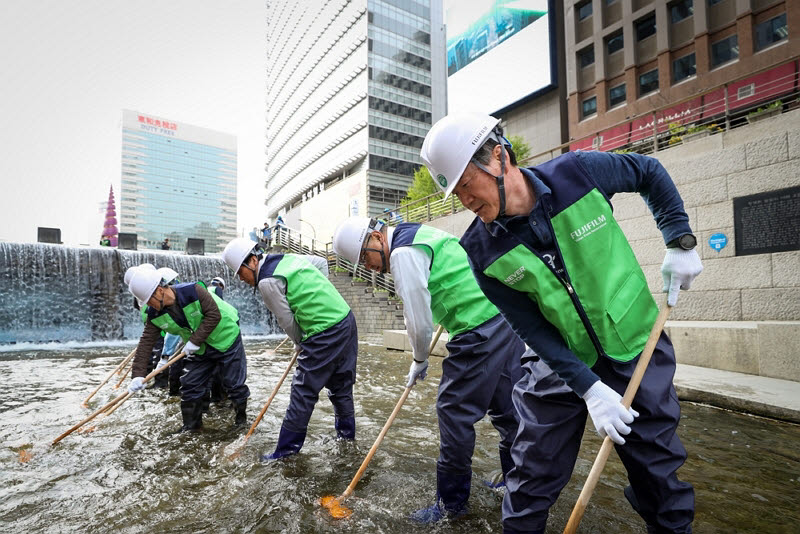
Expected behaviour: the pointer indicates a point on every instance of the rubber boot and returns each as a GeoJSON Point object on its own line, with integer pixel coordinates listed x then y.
{"type": "Point", "coordinates": [452, 493]}
{"type": "Point", "coordinates": [217, 391]}
{"type": "Point", "coordinates": [206, 401]}
{"type": "Point", "coordinates": [506, 465]}
{"type": "Point", "coordinates": [241, 412]}
{"type": "Point", "coordinates": [192, 416]}
{"type": "Point", "coordinates": [631, 496]}
{"type": "Point", "coordinates": [345, 428]}
{"type": "Point", "coordinates": [175, 371]}
{"type": "Point", "coordinates": [161, 380]}
{"type": "Point", "coordinates": [289, 443]}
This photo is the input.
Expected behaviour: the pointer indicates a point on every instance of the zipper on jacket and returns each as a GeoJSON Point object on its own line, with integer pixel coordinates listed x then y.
{"type": "Point", "coordinates": [565, 281]}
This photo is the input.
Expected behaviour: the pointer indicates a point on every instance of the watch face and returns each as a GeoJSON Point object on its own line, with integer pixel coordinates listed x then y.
{"type": "Point", "coordinates": [687, 241]}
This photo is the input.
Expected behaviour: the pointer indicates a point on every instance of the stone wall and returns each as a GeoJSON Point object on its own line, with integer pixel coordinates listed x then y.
{"type": "Point", "coordinates": [710, 172]}
{"type": "Point", "coordinates": [374, 311]}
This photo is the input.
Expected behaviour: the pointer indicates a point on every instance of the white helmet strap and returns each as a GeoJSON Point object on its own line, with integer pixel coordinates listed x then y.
{"type": "Point", "coordinates": [501, 187]}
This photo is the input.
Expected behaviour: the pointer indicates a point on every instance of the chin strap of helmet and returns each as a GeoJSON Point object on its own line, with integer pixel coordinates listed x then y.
{"type": "Point", "coordinates": [501, 186]}
{"type": "Point", "coordinates": [374, 226]}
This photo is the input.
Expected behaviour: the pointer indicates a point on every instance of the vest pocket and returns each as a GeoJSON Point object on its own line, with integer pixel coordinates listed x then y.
{"type": "Point", "coordinates": [626, 310]}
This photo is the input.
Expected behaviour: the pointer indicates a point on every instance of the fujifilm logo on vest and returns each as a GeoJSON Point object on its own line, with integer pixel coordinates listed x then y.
{"type": "Point", "coordinates": [588, 228]}
{"type": "Point", "coordinates": [515, 277]}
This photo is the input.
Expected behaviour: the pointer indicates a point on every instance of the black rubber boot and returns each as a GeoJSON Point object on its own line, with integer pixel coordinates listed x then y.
{"type": "Point", "coordinates": [192, 416]}
{"type": "Point", "coordinates": [206, 402]}
{"type": "Point", "coordinates": [241, 412]}
{"type": "Point", "coordinates": [217, 391]}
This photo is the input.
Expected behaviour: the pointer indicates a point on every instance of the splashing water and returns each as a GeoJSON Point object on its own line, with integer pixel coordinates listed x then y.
{"type": "Point", "coordinates": [133, 474]}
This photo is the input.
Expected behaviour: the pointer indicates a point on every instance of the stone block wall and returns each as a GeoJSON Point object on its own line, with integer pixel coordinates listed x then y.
{"type": "Point", "coordinates": [709, 173]}
{"type": "Point", "coordinates": [374, 311]}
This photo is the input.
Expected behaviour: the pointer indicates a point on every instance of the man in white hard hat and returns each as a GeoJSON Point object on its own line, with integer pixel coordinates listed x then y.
{"type": "Point", "coordinates": [218, 285]}
{"type": "Point", "coordinates": [546, 250]}
{"type": "Point", "coordinates": [314, 315]}
{"type": "Point", "coordinates": [210, 328]}
{"type": "Point", "coordinates": [433, 278]}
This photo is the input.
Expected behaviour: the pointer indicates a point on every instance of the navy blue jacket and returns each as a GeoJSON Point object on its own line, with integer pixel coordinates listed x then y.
{"type": "Point", "coordinates": [612, 173]}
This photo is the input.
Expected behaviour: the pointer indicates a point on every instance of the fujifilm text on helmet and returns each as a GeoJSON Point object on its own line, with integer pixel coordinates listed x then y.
{"type": "Point", "coordinates": [478, 135]}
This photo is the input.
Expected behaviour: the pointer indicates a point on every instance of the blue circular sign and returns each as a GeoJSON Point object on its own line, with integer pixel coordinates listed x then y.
{"type": "Point", "coordinates": [718, 241]}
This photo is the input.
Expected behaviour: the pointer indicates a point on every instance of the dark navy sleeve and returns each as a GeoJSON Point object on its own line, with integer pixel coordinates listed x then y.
{"type": "Point", "coordinates": [537, 332]}
{"type": "Point", "coordinates": [619, 173]}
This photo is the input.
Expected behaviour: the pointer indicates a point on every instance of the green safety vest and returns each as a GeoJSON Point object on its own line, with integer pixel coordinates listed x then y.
{"type": "Point", "coordinates": [223, 335]}
{"type": "Point", "coordinates": [606, 296]}
{"type": "Point", "coordinates": [457, 303]}
{"type": "Point", "coordinates": [314, 301]}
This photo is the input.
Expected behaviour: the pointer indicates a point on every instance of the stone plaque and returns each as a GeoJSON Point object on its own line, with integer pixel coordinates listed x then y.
{"type": "Point", "coordinates": [767, 222]}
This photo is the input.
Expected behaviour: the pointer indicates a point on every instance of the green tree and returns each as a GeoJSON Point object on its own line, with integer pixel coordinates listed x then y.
{"type": "Point", "coordinates": [421, 186]}
{"type": "Point", "coordinates": [520, 147]}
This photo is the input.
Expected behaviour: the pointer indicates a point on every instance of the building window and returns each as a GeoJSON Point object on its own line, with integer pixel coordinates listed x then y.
{"type": "Point", "coordinates": [648, 82]}
{"type": "Point", "coordinates": [771, 32]}
{"type": "Point", "coordinates": [589, 107]}
{"type": "Point", "coordinates": [645, 27]}
{"type": "Point", "coordinates": [585, 10]}
{"type": "Point", "coordinates": [616, 95]}
{"type": "Point", "coordinates": [724, 50]}
{"type": "Point", "coordinates": [614, 43]}
{"type": "Point", "coordinates": [586, 57]}
{"type": "Point", "coordinates": [684, 67]}
{"type": "Point", "coordinates": [683, 9]}
{"type": "Point", "coordinates": [714, 2]}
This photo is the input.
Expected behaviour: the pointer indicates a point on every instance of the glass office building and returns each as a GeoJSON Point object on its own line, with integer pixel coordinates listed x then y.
{"type": "Point", "coordinates": [178, 182]}
{"type": "Point", "coordinates": [353, 87]}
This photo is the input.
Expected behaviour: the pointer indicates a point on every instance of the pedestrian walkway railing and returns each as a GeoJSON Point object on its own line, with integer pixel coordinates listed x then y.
{"type": "Point", "coordinates": [295, 242]}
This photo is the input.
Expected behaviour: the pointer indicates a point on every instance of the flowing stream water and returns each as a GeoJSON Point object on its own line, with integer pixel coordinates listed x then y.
{"type": "Point", "coordinates": [133, 474]}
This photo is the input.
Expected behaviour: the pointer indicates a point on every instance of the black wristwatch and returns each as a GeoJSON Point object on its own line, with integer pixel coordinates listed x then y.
{"type": "Point", "coordinates": [686, 242]}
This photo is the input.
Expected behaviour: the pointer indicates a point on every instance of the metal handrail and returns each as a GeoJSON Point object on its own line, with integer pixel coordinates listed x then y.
{"type": "Point", "coordinates": [294, 241]}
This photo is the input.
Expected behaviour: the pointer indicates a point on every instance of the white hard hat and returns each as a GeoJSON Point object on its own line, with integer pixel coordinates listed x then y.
{"type": "Point", "coordinates": [129, 274]}
{"type": "Point", "coordinates": [143, 285]}
{"type": "Point", "coordinates": [167, 274]}
{"type": "Point", "coordinates": [450, 145]}
{"type": "Point", "coordinates": [131, 270]}
{"type": "Point", "coordinates": [237, 251]}
{"type": "Point", "coordinates": [219, 282]}
{"type": "Point", "coordinates": [349, 237]}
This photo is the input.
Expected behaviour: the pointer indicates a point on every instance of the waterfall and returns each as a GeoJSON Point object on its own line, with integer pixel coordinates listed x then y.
{"type": "Point", "coordinates": [57, 293]}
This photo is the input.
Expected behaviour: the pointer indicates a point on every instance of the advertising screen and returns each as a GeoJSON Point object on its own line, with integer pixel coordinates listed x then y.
{"type": "Point", "coordinates": [498, 52]}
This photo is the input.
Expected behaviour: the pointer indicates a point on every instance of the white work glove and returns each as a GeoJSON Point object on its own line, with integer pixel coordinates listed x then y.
{"type": "Point", "coordinates": [190, 348]}
{"type": "Point", "coordinates": [418, 370]}
{"type": "Point", "coordinates": [608, 414]}
{"type": "Point", "coordinates": [136, 385]}
{"type": "Point", "coordinates": [161, 363]}
{"type": "Point", "coordinates": [678, 270]}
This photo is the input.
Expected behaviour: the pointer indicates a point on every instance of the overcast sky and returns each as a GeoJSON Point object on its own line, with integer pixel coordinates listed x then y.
{"type": "Point", "coordinates": [69, 67]}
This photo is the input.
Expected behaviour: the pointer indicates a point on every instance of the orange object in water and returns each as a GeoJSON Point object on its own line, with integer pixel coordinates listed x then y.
{"type": "Point", "coordinates": [337, 510]}
{"type": "Point", "coordinates": [25, 455]}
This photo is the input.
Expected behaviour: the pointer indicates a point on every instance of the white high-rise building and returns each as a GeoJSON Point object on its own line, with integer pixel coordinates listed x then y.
{"type": "Point", "coordinates": [352, 89]}
{"type": "Point", "coordinates": [178, 182]}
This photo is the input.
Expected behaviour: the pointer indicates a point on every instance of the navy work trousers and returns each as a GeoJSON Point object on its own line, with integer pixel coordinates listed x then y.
{"type": "Point", "coordinates": [326, 360]}
{"type": "Point", "coordinates": [477, 379]}
{"type": "Point", "coordinates": [198, 370]}
{"type": "Point", "coordinates": [552, 421]}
